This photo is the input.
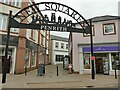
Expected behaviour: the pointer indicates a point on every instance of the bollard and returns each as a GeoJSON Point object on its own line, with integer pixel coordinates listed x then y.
{"type": "Point", "coordinates": [115, 74]}
{"type": "Point", "coordinates": [57, 70]}
{"type": "Point", "coordinates": [25, 70]}
{"type": "Point", "coordinates": [70, 69]}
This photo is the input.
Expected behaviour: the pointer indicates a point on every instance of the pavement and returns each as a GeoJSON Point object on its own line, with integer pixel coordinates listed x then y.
{"type": "Point", "coordinates": [63, 80]}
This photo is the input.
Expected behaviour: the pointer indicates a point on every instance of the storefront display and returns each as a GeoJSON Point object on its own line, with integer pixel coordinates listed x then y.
{"type": "Point", "coordinates": [115, 61]}
{"type": "Point", "coordinates": [105, 66]}
{"type": "Point", "coordinates": [86, 61]}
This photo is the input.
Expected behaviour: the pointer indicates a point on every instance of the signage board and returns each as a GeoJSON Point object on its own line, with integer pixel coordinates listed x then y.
{"type": "Point", "coordinates": [92, 58]}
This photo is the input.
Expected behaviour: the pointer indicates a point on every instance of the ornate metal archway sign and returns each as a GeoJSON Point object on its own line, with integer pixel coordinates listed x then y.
{"type": "Point", "coordinates": [55, 24]}
{"type": "Point", "coordinates": [33, 13]}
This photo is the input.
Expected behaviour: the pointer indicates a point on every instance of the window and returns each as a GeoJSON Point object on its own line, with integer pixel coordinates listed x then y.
{"type": "Point", "coordinates": [27, 58]}
{"type": "Point", "coordinates": [66, 46]}
{"type": "Point", "coordinates": [93, 32]}
{"type": "Point", "coordinates": [0, 21]}
{"type": "Point", "coordinates": [3, 22]}
{"type": "Point", "coordinates": [86, 61]}
{"type": "Point", "coordinates": [42, 39]}
{"type": "Point", "coordinates": [5, 1]}
{"type": "Point", "coordinates": [33, 59]}
{"type": "Point", "coordinates": [14, 30]}
{"type": "Point", "coordinates": [13, 2]}
{"type": "Point", "coordinates": [115, 61]}
{"type": "Point", "coordinates": [59, 58]}
{"type": "Point", "coordinates": [16, 3]}
{"type": "Point", "coordinates": [109, 29]}
{"type": "Point", "coordinates": [62, 45]}
{"type": "Point", "coordinates": [31, 35]}
{"type": "Point", "coordinates": [56, 45]}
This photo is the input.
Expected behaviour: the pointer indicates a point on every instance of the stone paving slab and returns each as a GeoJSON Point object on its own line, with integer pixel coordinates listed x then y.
{"type": "Point", "coordinates": [64, 80]}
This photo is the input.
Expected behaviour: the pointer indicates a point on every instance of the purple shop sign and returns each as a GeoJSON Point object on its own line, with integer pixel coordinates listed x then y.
{"type": "Point", "coordinates": [101, 48]}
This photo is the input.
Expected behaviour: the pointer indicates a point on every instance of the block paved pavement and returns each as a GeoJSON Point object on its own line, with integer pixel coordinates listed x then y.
{"type": "Point", "coordinates": [63, 80]}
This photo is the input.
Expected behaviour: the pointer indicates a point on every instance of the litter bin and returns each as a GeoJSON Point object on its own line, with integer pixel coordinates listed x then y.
{"type": "Point", "coordinates": [41, 70]}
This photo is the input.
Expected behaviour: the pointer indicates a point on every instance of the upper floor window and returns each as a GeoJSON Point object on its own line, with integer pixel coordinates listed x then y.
{"type": "Point", "coordinates": [3, 22]}
{"type": "Point", "coordinates": [56, 45]}
{"type": "Point", "coordinates": [16, 3]}
{"type": "Point", "coordinates": [16, 30]}
{"type": "Point", "coordinates": [5, 1]}
{"type": "Point", "coordinates": [31, 35]}
{"type": "Point", "coordinates": [66, 46]}
{"type": "Point", "coordinates": [42, 39]}
{"type": "Point", "coordinates": [62, 45]}
{"type": "Point", "coordinates": [109, 29]}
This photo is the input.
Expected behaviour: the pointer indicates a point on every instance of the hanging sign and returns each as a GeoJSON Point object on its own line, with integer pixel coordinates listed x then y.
{"type": "Point", "coordinates": [92, 58]}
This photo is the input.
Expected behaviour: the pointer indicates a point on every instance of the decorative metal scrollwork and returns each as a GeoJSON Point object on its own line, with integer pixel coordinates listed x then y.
{"type": "Point", "coordinates": [34, 12]}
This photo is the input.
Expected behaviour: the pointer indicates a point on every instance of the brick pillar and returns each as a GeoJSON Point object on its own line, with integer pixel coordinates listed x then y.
{"type": "Point", "coordinates": [38, 51]}
{"type": "Point", "coordinates": [20, 57]}
{"type": "Point", "coordinates": [20, 60]}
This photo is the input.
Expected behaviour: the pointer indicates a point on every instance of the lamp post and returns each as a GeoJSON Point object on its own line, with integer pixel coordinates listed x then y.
{"type": "Point", "coordinates": [92, 59]}
{"type": "Point", "coordinates": [116, 62]}
{"type": "Point", "coordinates": [6, 49]}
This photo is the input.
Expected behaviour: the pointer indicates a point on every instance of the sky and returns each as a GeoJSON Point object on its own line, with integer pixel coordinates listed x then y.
{"type": "Point", "coordinates": [88, 9]}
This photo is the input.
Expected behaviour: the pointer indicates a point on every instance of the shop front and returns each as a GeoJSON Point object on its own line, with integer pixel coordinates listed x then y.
{"type": "Point", "coordinates": [11, 59]}
{"type": "Point", "coordinates": [106, 59]}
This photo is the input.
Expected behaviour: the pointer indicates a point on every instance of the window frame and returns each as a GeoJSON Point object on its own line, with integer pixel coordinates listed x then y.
{"type": "Point", "coordinates": [32, 51]}
{"type": "Point", "coordinates": [67, 46]}
{"type": "Point", "coordinates": [56, 44]}
{"type": "Point", "coordinates": [110, 33]}
{"type": "Point", "coordinates": [29, 54]}
{"type": "Point", "coordinates": [86, 61]}
{"type": "Point", "coordinates": [62, 45]}
{"type": "Point", "coordinates": [115, 57]}
{"type": "Point", "coordinates": [59, 58]}
{"type": "Point", "coordinates": [2, 26]}
{"type": "Point", "coordinates": [42, 39]}
{"type": "Point", "coordinates": [15, 3]}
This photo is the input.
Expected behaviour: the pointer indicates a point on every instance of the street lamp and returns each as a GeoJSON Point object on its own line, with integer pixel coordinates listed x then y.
{"type": "Point", "coordinates": [6, 49]}
{"type": "Point", "coordinates": [92, 57]}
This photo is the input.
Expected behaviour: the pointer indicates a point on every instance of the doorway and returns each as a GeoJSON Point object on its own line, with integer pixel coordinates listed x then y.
{"type": "Point", "coordinates": [8, 64]}
{"type": "Point", "coordinates": [9, 60]}
{"type": "Point", "coordinates": [99, 65]}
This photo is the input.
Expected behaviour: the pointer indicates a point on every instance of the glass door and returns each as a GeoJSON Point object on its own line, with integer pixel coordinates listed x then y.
{"type": "Point", "coordinates": [105, 66]}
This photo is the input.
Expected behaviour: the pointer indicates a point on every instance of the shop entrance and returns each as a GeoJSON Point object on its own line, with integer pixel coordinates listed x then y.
{"type": "Point", "coordinates": [8, 64]}
{"type": "Point", "coordinates": [99, 65]}
{"type": "Point", "coordinates": [102, 63]}
{"type": "Point", "coordinates": [9, 60]}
